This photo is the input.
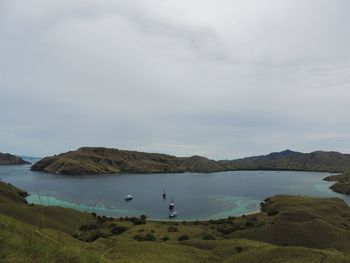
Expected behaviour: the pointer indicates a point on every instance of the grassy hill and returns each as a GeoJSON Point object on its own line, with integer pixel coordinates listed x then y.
{"type": "Point", "coordinates": [98, 160]}
{"type": "Point", "coordinates": [318, 161]}
{"type": "Point", "coordinates": [9, 159]}
{"type": "Point", "coordinates": [342, 184]}
{"type": "Point", "coordinates": [289, 229]}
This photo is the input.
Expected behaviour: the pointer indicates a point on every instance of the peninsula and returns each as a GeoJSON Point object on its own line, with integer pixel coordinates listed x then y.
{"type": "Point", "coordinates": [9, 159]}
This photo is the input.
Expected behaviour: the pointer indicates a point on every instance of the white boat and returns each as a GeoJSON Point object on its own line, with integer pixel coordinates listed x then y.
{"type": "Point", "coordinates": [172, 204]}
{"type": "Point", "coordinates": [172, 214]}
{"type": "Point", "coordinates": [128, 197]}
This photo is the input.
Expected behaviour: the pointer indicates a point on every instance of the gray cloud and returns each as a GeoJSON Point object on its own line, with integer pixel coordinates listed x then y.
{"type": "Point", "coordinates": [220, 78]}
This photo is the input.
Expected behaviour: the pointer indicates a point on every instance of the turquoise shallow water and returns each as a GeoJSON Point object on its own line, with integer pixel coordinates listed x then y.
{"type": "Point", "coordinates": [196, 196]}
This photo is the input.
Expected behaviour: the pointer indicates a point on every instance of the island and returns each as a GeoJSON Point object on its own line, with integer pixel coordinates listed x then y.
{"type": "Point", "coordinates": [9, 159]}
{"type": "Point", "coordinates": [100, 160]}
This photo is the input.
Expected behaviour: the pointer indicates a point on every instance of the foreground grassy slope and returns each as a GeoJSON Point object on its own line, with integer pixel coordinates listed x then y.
{"type": "Point", "coordinates": [289, 229]}
{"type": "Point", "coordinates": [98, 160]}
{"type": "Point", "coordinates": [13, 204]}
{"type": "Point", "coordinates": [26, 243]}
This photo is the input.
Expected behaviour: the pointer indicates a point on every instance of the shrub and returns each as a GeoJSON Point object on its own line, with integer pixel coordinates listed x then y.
{"type": "Point", "coordinates": [172, 229]}
{"type": "Point", "coordinates": [137, 221]}
{"type": "Point", "coordinates": [249, 223]}
{"type": "Point", "coordinates": [208, 237]}
{"type": "Point", "coordinates": [93, 236]}
{"type": "Point", "coordinates": [88, 227]}
{"type": "Point", "coordinates": [118, 230]}
{"type": "Point", "coordinates": [239, 249]}
{"type": "Point", "coordinates": [273, 212]}
{"type": "Point", "coordinates": [150, 237]}
{"type": "Point", "coordinates": [183, 237]}
{"type": "Point", "coordinates": [218, 221]}
{"type": "Point", "coordinates": [226, 230]}
{"type": "Point", "coordinates": [143, 217]}
{"type": "Point", "coordinates": [101, 219]}
{"type": "Point", "coordinates": [165, 238]}
{"type": "Point", "coordinates": [139, 238]}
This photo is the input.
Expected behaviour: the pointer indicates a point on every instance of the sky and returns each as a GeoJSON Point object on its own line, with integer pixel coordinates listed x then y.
{"type": "Point", "coordinates": [223, 79]}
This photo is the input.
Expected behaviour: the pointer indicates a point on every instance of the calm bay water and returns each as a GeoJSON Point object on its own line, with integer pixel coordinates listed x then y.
{"type": "Point", "coordinates": [197, 196]}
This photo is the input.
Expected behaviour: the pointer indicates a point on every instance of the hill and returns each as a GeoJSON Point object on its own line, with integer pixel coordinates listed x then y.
{"type": "Point", "coordinates": [342, 184]}
{"type": "Point", "coordinates": [318, 161]}
{"type": "Point", "coordinates": [289, 229]}
{"type": "Point", "coordinates": [98, 160]}
{"type": "Point", "coordinates": [9, 159]}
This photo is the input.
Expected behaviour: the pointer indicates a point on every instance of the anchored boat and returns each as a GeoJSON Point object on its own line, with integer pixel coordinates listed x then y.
{"type": "Point", "coordinates": [128, 197]}
{"type": "Point", "coordinates": [172, 214]}
{"type": "Point", "coordinates": [164, 194]}
{"type": "Point", "coordinates": [171, 204]}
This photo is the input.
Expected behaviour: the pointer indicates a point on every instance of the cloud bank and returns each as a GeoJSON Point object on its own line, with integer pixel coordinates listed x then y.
{"type": "Point", "coordinates": [223, 79]}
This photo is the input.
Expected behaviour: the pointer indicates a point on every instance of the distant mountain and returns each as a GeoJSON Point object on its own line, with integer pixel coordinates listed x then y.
{"type": "Point", "coordinates": [30, 158]}
{"type": "Point", "coordinates": [9, 159]}
{"type": "Point", "coordinates": [289, 160]}
{"type": "Point", "coordinates": [99, 160]}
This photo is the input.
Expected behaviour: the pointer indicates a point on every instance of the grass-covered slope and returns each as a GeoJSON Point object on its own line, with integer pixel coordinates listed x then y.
{"type": "Point", "coordinates": [98, 160]}
{"type": "Point", "coordinates": [9, 159]}
{"type": "Point", "coordinates": [303, 221]}
{"type": "Point", "coordinates": [290, 160]}
{"type": "Point", "coordinates": [13, 204]}
{"type": "Point", "coordinates": [342, 184]}
{"type": "Point", "coordinates": [290, 229]}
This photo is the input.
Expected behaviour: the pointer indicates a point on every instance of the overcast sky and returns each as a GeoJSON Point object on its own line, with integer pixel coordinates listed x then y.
{"type": "Point", "coordinates": [223, 78]}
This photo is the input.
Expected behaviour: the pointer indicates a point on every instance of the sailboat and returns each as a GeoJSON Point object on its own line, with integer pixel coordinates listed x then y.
{"type": "Point", "coordinates": [128, 197]}
{"type": "Point", "coordinates": [172, 214]}
{"type": "Point", "coordinates": [171, 204]}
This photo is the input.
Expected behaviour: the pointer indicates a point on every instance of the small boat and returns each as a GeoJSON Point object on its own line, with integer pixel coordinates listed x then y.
{"type": "Point", "coordinates": [128, 197]}
{"type": "Point", "coordinates": [172, 204]}
{"type": "Point", "coordinates": [164, 194]}
{"type": "Point", "coordinates": [172, 214]}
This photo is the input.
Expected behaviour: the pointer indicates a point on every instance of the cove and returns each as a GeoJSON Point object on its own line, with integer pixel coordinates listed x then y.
{"type": "Point", "coordinates": [196, 196]}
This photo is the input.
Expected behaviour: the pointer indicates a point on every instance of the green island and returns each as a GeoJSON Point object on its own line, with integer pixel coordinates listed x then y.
{"type": "Point", "coordinates": [100, 160]}
{"type": "Point", "coordinates": [288, 229]}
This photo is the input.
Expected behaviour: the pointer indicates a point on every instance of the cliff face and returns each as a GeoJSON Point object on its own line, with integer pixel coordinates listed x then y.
{"type": "Point", "coordinates": [289, 160]}
{"type": "Point", "coordinates": [9, 159]}
{"type": "Point", "coordinates": [98, 160]}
